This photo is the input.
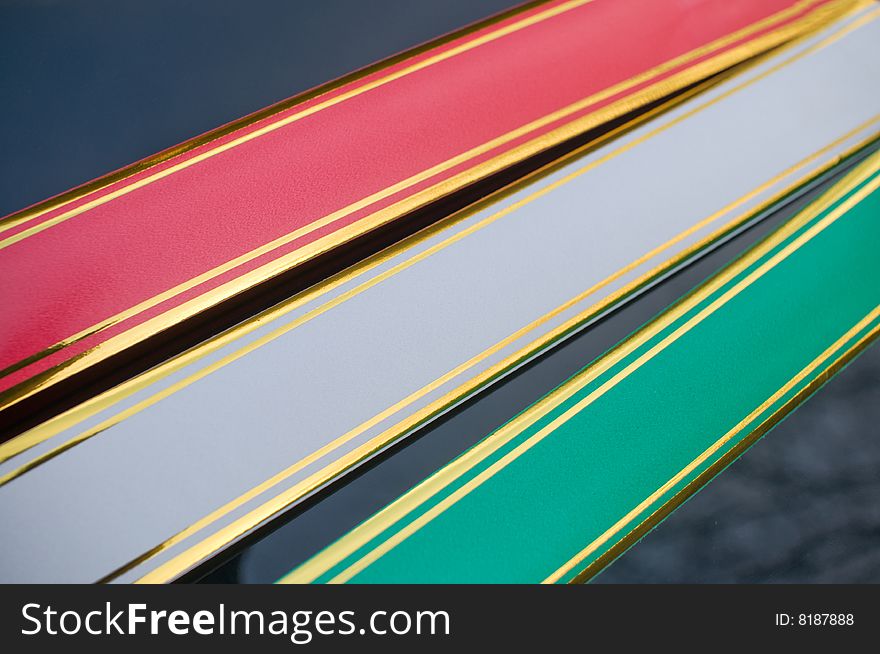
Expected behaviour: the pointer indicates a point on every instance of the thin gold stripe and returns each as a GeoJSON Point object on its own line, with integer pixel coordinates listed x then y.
{"type": "Point", "coordinates": [271, 127]}
{"type": "Point", "coordinates": [398, 208]}
{"type": "Point", "coordinates": [212, 543]}
{"type": "Point", "coordinates": [203, 549]}
{"type": "Point", "coordinates": [704, 477]}
{"type": "Point", "coordinates": [51, 204]}
{"type": "Point", "coordinates": [434, 484]}
{"type": "Point", "coordinates": [502, 463]}
{"type": "Point", "coordinates": [118, 343]}
{"type": "Point", "coordinates": [309, 484]}
{"type": "Point", "coordinates": [487, 38]}
{"type": "Point", "coordinates": [64, 421]}
{"type": "Point", "coordinates": [721, 442]}
{"type": "Point", "coordinates": [22, 443]}
{"type": "Point", "coordinates": [445, 398]}
{"type": "Point", "coordinates": [52, 427]}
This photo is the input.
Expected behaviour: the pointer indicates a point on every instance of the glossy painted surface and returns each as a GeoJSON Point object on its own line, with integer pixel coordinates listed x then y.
{"type": "Point", "coordinates": [91, 277]}
{"type": "Point", "coordinates": [302, 531]}
{"type": "Point", "coordinates": [645, 425]}
{"type": "Point", "coordinates": [240, 428]}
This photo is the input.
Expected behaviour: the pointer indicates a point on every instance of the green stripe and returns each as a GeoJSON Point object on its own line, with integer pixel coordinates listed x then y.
{"type": "Point", "coordinates": [678, 389]}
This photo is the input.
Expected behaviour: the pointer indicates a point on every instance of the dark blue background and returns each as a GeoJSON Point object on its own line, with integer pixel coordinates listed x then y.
{"type": "Point", "coordinates": [88, 86]}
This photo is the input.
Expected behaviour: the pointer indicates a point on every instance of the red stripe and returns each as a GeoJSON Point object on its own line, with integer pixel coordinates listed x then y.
{"type": "Point", "coordinates": [77, 273]}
